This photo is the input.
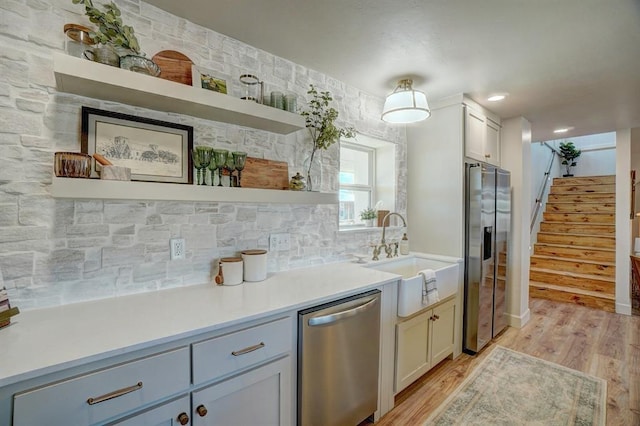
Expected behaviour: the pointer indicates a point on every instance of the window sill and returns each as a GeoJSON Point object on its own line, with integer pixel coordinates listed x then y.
{"type": "Point", "coordinates": [355, 228]}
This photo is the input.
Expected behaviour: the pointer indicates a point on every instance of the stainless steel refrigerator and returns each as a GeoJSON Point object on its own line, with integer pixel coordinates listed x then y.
{"type": "Point", "coordinates": [488, 222]}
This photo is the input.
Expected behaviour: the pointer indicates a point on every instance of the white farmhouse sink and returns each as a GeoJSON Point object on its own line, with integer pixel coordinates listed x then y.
{"type": "Point", "coordinates": [447, 271]}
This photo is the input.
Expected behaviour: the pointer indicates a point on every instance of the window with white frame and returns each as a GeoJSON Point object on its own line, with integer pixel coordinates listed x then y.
{"type": "Point", "coordinates": [356, 181]}
{"type": "Point", "coordinates": [367, 177]}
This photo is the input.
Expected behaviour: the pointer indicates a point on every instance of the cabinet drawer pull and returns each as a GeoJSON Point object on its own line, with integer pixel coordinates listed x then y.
{"type": "Point", "coordinates": [247, 350]}
{"type": "Point", "coordinates": [487, 155]}
{"type": "Point", "coordinates": [114, 394]}
{"type": "Point", "coordinates": [183, 419]}
{"type": "Point", "coordinates": [201, 410]}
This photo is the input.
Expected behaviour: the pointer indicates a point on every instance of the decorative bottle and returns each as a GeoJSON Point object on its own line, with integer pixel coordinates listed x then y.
{"type": "Point", "coordinates": [404, 244]}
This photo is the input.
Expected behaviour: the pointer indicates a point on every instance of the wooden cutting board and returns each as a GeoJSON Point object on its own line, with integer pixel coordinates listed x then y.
{"type": "Point", "coordinates": [265, 174]}
{"type": "Point", "coordinates": [174, 66]}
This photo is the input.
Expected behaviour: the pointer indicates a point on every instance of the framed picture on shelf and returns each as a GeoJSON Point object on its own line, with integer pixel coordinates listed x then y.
{"type": "Point", "coordinates": [154, 150]}
{"type": "Point", "coordinates": [206, 79]}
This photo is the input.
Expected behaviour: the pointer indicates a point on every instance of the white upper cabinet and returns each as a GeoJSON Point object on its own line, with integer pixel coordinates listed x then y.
{"type": "Point", "coordinates": [474, 134]}
{"type": "Point", "coordinates": [492, 142]}
{"type": "Point", "coordinates": [482, 137]}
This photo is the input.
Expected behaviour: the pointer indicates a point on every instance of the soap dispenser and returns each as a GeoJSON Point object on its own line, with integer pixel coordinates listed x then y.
{"type": "Point", "coordinates": [404, 244]}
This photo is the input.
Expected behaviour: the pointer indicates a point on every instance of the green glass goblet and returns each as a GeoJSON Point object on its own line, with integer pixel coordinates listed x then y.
{"type": "Point", "coordinates": [230, 166]}
{"type": "Point", "coordinates": [201, 159]}
{"type": "Point", "coordinates": [197, 164]}
{"type": "Point", "coordinates": [239, 158]}
{"type": "Point", "coordinates": [220, 158]}
{"type": "Point", "coordinates": [212, 167]}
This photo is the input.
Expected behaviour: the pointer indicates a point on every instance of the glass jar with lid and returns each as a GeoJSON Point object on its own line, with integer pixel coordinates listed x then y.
{"type": "Point", "coordinates": [78, 40]}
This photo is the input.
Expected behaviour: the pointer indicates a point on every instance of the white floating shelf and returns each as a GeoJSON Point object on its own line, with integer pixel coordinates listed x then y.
{"type": "Point", "coordinates": [123, 190]}
{"type": "Point", "coordinates": [95, 80]}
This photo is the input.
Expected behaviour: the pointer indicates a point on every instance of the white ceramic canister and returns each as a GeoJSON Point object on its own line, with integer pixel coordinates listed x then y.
{"type": "Point", "coordinates": [230, 271]}
{"type": "Point", "coordinates": [255, 265]}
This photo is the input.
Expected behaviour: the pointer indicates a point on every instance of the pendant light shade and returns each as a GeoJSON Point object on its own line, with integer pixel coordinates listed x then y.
{"type": "Point", "coordinates": [405, 105]}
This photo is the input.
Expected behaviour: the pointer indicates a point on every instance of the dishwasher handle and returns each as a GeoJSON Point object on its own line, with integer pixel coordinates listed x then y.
{"type": "Point", "coordinates": [331, 318]}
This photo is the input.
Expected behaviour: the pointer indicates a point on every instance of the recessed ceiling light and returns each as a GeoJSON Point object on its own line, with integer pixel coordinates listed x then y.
{"type": "Point", "coordinates": [563, 130]}
{"type": "Point", "coordinates": [496, 98]}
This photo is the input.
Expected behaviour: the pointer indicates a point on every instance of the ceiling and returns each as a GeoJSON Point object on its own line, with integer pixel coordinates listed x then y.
{"type": "Point", "coordinates": [564, 63]}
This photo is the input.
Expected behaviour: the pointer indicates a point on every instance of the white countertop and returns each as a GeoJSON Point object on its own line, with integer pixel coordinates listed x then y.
{"type": "Point", "coordinates": [48, 340]}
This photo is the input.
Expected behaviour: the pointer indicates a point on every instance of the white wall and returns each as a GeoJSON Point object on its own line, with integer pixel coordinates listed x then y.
{"type": "Point", "coordinates": [55, 252]}
{"type": "Point", "coordinates": [624, 140]}
{"type": "Point", "coordinates": [598, 157]}
{"type": "Point", "coordinates": [635, 165]}
{"type": "Point", "coordinates": [516, 157]}
{"type": "Point", "coordinates": [435, 161]}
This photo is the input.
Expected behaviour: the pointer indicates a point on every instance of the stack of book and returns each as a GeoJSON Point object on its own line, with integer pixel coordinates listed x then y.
{"type": "Point", "coordinates": [6, 311]}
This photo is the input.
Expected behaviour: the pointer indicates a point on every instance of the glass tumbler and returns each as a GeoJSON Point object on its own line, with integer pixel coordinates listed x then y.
{"type": "Point", "coordinates": [77, 40]}
{"type": "Point", "coordinates": [277, 100]}
{"type": "Point", "coordinates": [290, 103]}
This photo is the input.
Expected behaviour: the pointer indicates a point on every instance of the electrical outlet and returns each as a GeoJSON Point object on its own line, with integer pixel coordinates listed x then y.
{"type": "Point", "coordinates": [279, 242]}
{"type": "Point", "coordinates": [177, 248]}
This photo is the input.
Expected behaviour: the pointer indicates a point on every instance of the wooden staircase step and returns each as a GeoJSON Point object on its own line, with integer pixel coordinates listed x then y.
{"type": "Point", "coordinates": [578, 228]}
{"type": "Point", "coordinates": [583, 266]}
{"type": "Point", "coordinates": [575, 252]}
{"type": "Point", "coordinates": [585, 180]}
{"type": "Point", "coordinates": [578, 240]}
{"type": "Point", "coordinates": [579, 217]}
{"type": "Point", "coordinates": [575, 280]}
{"type": "Point", "coordinates": [574, 257]}
{"type": "Point", "coordinates": [595, 300]}
{"type": "Point", "coordinates": [568, 197]}
{"type": "Point", "coordinates": [582, 189]}
{"type": "Point", "coordinates": [580, 208]}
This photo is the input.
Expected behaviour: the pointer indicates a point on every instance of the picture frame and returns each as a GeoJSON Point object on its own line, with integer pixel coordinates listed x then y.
{"type": "Point", "coordinates": [154, 150]}
{"type": "Point", "coordinates": [207, 79]}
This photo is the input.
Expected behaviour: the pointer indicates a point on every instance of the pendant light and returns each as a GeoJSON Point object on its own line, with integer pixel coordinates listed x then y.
{"type": "Point", "coordinates": [405, 105]}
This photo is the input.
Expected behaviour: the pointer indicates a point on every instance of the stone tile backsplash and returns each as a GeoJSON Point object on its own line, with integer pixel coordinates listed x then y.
{"type": "Point", "coordinates": [55, 252]}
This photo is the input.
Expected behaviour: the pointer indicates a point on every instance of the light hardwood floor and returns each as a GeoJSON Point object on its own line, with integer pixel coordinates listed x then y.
{"type": "Point", "coordinates": [599, 343]}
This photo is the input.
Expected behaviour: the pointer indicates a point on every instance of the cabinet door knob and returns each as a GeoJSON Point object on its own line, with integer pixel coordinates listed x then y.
{"type": "Point", "coordinates": [487, 155]}
{"type": "Point", "coordinates": [183, 419]}
{"type": "Point", "coordinates": [437, 317]}
{"type": "Point", "coordinates": [431, 318]}
{"type": "Point", "coordinates": [201, 410]}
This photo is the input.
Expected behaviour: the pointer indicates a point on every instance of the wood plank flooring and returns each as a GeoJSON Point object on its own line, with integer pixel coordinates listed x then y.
{"type": "Point", "coordinates": [599, 343]}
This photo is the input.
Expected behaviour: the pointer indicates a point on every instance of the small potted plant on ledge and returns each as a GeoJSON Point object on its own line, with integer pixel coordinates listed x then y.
{"type": "Point", "coordinates": [568, 153]}
{"type": "Point", "coordinates": [116, 41]}
{"type": "Point", "coordinates": [367, 216]}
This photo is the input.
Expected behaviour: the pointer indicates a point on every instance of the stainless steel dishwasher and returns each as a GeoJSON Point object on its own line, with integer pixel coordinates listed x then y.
{"type": "Point", "coordinates": [338, 361]}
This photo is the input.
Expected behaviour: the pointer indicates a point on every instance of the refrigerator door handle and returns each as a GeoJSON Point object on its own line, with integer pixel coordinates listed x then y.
{"type": "Point", "coordinates": [487, 242]}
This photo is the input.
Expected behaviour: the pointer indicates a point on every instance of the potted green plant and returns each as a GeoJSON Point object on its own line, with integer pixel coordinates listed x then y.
{"type": "Point", "coordinates": [568, 153]}
{"type": "Point", "coordinates": [320, 119]}
{"type": "Point", "coordinates": [111, 30]}
{"type": "Point", "coordinates": [367, 215]}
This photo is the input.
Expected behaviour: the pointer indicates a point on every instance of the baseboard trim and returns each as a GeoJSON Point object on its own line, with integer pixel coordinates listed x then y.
{"type": "Point", "coordinates": [623, 308]}
{"type": "Point", "coordinates": [519, 321]}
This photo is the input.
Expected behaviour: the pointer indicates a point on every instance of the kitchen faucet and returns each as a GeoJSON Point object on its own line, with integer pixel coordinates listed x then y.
{"type": "Point", "coordinates": [377, 249]}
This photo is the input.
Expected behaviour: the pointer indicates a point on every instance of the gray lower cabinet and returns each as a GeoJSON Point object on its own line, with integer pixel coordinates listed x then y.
{"type": "Point", "coordinates": [170, 413]}
{"type": "Point", "coordinates": [239, 377]}
{"type": "Point", "coordinates": [98, 396]}
{"type": "Point", "coordinates": [259, 396]}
